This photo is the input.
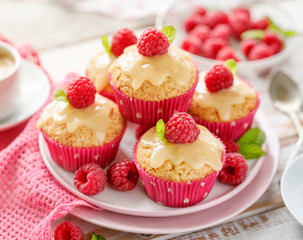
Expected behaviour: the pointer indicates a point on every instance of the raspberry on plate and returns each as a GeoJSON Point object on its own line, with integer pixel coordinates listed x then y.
{"type": "Point", "coordinates": [247, 45]}
{"type": "Point", "coordinates": [218, 78]}
{"type": "Point", "coordinates": [123, 175]}
{"type": "Point", "coordinates": [81, 92]}
{"type": "Point", "coordinates": [226, 53]}
{"type": "Point", "coordinates": [221, 31]}
{"type": "Point", "coordinates": [261, 50]}
{"type": "Point", "coordinates": [234, 170]}
{"type": "Point", "coordinates": [273, 40]}
{"type": "Point", "coordinates": [192, 44]}
{"type": "Point", "coordinates": [152, 42]}
{"type": "Point", "coordinates": [68, 231]}
{"type": "Point", "coordinates": [216, 18]}
{"type": "Point", "coordinates": [181, 128]}
{"type": "Point", "coordinates": [260, 24]}
{"type": "Point", "coordinates": [194, 20]}
{"type": "Point", "coordinates": [212, 46]}
{"type": "Point", "coordinates": [239, 23]}
{"type": "Point", "coordinates": [201, 11]}
{"type": "Point", "coordinates": [241, 10]}
{"type": "Point", "coordinates": [122, 39]}
{"type": "Point", "coordinates": [201, 31]}
{"type": "Point", "coordinates": [90, 179]}
{"type": "Point", "coordinates": [230, 145]}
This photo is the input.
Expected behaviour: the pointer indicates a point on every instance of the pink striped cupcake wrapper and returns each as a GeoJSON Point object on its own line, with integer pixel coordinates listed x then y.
{"type": "Point", "coordinates": [231, 130]}
{"type": "Point", "coordinates": [175, 194]}
{"type": "Point", "coordinates": [72, 158]}
{"type": "Point", "coordinates": [149, 112]}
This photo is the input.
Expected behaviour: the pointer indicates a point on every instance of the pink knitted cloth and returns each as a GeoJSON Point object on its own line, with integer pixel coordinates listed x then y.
{"type": "Point", "coordinates": [30, 198]}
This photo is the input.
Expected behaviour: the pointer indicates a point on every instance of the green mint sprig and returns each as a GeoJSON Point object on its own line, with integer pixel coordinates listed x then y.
{"type": "Point", "coordinates": [97, 237]}
{"type": "Point", "coordinates": [160, 129]}
{"type": "Point", "coordinates": [232, 65]}
{"type": "Point", "coordinates": [106, 45]}
{"type": "Point", "coordinates": [274, 27]}
{"type": "Point", "coordinates": [170, 32]}
{"type": "Point", "coordinates": [255, 34]}
{"type": "Point", "coordinates": [61, 96]}
{"type": "Point", "coordinates": [251, 142]}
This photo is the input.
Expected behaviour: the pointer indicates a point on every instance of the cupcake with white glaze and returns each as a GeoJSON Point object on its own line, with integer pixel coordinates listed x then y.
{"type": "Point", "coordinates": [81, 126]}
{"type": "Point", "coordinates": [224, 103]}
{"type": "Point", "coordinates": [152, 79]}
{"type": "Point", "coordinates": [97, 68]}
{"type": "Point", "coordinates": [179, 162]}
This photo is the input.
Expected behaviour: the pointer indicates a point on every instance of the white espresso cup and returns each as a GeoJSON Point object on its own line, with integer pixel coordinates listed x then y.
{"type": "Point", "coordinates": [10, 61]}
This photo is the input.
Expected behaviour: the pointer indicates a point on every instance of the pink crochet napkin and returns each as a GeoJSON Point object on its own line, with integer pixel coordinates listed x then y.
{"type": "Point", "coordinates": [30, 198]}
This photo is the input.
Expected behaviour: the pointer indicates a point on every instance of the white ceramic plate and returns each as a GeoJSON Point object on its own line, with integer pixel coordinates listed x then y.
{"type": "Point", "coordinates": [136, 202]}
{"type": "Point", "coordinates": [200, 219]}
{"type": "Point", "coordinates": [292, 188]}
{"type": "Point", "coordinates": [34, 91]}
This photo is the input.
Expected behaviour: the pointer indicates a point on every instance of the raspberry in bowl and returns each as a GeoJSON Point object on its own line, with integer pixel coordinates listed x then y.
{"type": "Point", "coordinates": [153, 79]}
{"type": "Point", "coordinates": [97, 68]}
{"type": "Point", "coordinates": [80, 126]}
{"type": "Point", "coordinates": [178, 162]}
{"type": "Point", "coordinates": [223, 102]}
{"type": "Point", "coordinates": [188, 18]}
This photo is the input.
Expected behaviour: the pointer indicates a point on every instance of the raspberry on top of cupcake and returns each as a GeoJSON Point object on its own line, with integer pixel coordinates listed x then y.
{"type": "Point", "coordinates": [80, 117]}
{"type": "Point", "coordinates": [97, 68]}
{"type": "Point", "coordinates": [179, 151]}
{"type": "Point", "coordinates": [153, 70]}
{"type": "Point", "coordinates": [221, 96]}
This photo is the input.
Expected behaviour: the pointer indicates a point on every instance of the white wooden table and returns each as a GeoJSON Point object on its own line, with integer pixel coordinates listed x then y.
{"type": "Point", "coordinates": [67, 40]}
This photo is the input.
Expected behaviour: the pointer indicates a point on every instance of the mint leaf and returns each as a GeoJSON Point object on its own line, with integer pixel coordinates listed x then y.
{"type": "Point", "coordinates": [251, 151]}
{"type": "Point", "coordinates": [290, 33]}
{"type": "Point", "coordinates": [61, 96]}
{"type": "Point", "coordinates": [255, 34]}
{"type": "Point", "coordinates": [232, 65]}
{"type": "Point", "coordinates": [160, 129]}
{"type": "Point", "coordinates": [170, 32]}
{"type": "Point", "coordinates": [97, 237]}
{"type": "Point", "coordinates": [106, 45]}
{"type": "Point", "coordinates": [274, 27]}
{"type": "Point", "coordinates": [253, 136]}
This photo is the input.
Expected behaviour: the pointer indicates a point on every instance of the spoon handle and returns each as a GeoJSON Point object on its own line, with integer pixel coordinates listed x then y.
{"type": "Point", "coordinates": [296, 122]}
{"type": "Point", "coordinates": [295, 151]}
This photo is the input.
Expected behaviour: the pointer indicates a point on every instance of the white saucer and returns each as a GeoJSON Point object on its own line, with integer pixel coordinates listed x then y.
{"type": "Point", "coordinates": [34, 91]}
{"type": "Point", "coordinates": [292, 188]}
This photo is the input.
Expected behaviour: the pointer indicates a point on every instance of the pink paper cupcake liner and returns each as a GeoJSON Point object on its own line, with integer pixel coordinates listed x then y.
{"type": "Point", "coordinates": [149, 112]}
{"type": "Point", "coordinates": [231, 130]}
{"type": "Point", "coordinates": [108, 95]}
{"type": "Point", "coordinates": [72, 158]}
{"type": "Point", "coordinates": [175, 194]}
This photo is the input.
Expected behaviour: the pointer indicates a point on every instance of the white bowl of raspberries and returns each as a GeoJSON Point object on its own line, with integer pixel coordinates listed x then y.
{"type": "Point", "coordinates": [258, 36]}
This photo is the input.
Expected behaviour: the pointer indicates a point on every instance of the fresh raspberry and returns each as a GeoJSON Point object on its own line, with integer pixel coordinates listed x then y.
{"type": "Point", "coordinates": [239, 23]}
{"type": "Point", "coordinates": [152, 42]}
{"type": "Point", "coordinates": [68, 231]}
{"type": "Point", "coordinates": [230, 145]}
{"type": "Point", "coordinates": [273, 41]}
{"type": "Point", "coordinates": [241, 10]}
{"type": "Point", "coordinates": [194, 20]}
{"type": "Point", "coordinates": [123, 175]}
{"type": "Point", "coordinates": [221, 31]}
{"type": "Point", "coordinates": [201, 11]}
{"type": "Point", "coordinates": [260, 24]}
{"type": "Point", "coordinates": [90, 179]}
{"type": "Point", "coordinates": [140, 130]}
{"type": "Point", "coordinates": [218, 78]}
{"type": "Point", "coordinates": [212, 46]}
{"type": "Point", "coordinates": [122, 39]}
{"type": "Point", "coordinates": [234, 170]}
{"type": "Point", "coordinates": [81, 92]}
{"type": "Point", "coordinates": [192, 44]}
{"type": "Point", "coordinates": [201, 31]}
{"type": "Point", "coordinates": [181, 128]}
{"type": "Point", "coordinates": [247, 45]}
{"type": "Point", "coordinates": [226, 53]}
{"type": "Point", "coordinates": [261, 50]}
{"type": "Point", "coordinates": [216, 18]}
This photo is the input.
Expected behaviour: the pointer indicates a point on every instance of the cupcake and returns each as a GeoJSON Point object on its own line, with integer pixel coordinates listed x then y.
{"type": "Point", "coordinates": [152, 79]}
{"type": "Point", "coordinates": [81, 126]}
{"type": "Point", "coordinates": [224, 103]}
{"type": "Point", "coordinates": [178, 163]}
{"type": "Point", "coordinates": [97, 68]}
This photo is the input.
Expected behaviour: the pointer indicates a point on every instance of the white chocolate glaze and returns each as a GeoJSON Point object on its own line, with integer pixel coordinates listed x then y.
{"type": "Point", "coordinates": [174, 64]}
{"type": "Point", "coordinates": [223, 100]}
{"type": "Point", "coordinates": [206, 150]}
{"type": "Point", "coordinates": [95, 117]}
